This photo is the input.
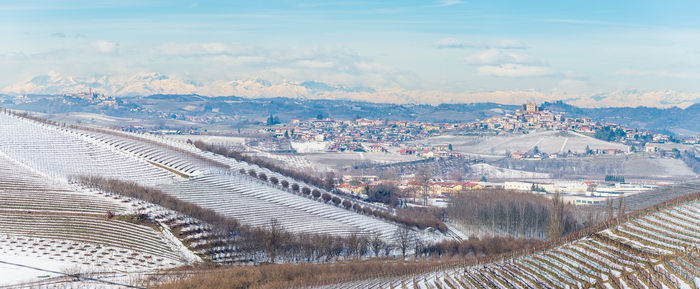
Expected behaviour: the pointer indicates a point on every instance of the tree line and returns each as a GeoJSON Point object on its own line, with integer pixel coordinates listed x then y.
{"type": "Point", "coordinates": [270, 243]}
{"type": "Point", "coordinates": [510, 213]}
{"type": "Point", "coordinates": [419, 218]}
{"type": "Point", "coordinates": [327, 183]}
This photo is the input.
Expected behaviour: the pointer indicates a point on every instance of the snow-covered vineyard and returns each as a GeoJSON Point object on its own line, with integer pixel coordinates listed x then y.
{"type": "Point", "coordinates": [659, 248]}
{"type": "Point", "coordinates": [179, 169]}
{"type": "Point", "coordinates": [46, 216]}
{"type": "Point", "coordinates": [62, 228]}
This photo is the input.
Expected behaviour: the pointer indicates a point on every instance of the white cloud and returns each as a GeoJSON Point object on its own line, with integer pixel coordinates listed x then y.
{"type": "Point", "coordinates": [315, 64]}
{"type": "Point", "coordinates": [456, 43]}
{"type": "Point", "coordinates": [445, 3]}
{"type": "Point", "coordinates": [659, 73]}
{"type": "Point", "coordinates": [495, 56]}
{"type": "Point", "coordinates": [192, 49]}
{"type": "Point", "coordinates": [104, 46]}
{"type": "Point", "coordinates": [515, 70]}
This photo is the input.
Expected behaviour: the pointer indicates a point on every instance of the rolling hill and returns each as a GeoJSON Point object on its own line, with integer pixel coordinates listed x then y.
{"type": "Point", "coordinates": [43, 203]}
{"type": "Point", "coordinates": [655, 247]}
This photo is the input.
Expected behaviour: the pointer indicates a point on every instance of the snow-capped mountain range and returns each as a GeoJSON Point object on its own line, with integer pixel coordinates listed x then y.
{"type": "Point", "coordinates": [150, 83]}
{"type": "Point", "coordinates": [156, 83]}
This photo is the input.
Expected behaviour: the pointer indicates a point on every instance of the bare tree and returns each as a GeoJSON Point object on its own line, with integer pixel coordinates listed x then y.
{"type": "Point", "coordinates": [609, 208]}
{"type": "Point", "coordinates": [353, 244]}
{"type": "Point", "coordinates": [376, 243]}
{"type": "Point", "coordinates": [388, 247]}
{"type": "Point", "coordinates": [556, 219]}
{"type": "Point", "coordinates": [274, 239]}
{"type": "Point", "coordinates": [389, 175]}
{"type": "Point", "coordinates": [363, 245]}
{"type": "Point", "coordinates": [329, 180]}
{"type": "Point", "coordinates": [404, 237]}
{"type": "Point", "coordinates": [422, 177]}
{"type": "Point", "coordinates": [417, 246]}
{"type": "Point", "coordinates": [621, 204]}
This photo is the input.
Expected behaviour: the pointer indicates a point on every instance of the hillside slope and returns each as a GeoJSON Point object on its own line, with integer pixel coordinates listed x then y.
{"type": "Point", "coordinates": [652, 248]}
{"type": "Point", "coordinates": [181, 170]}
{"type": "Point", "coordinates": [52, 225]}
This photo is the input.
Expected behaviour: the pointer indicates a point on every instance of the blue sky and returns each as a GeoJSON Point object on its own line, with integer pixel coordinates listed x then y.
{"type": "Point", "coordinates": [611, 52]}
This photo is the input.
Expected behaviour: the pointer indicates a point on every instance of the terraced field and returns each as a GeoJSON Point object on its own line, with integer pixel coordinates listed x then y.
{"type": "Point", "coordinates": [654, 248]}
{"type": "Point", "coordinates": [181, 170]}
{"type": "Point", "coordinates": [52, 222]}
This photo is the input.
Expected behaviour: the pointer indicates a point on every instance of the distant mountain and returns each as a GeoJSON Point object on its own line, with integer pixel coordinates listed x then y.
{"type": "Point", "coordinates": [156, 83]}
{"type": "Point", "coordinates": [141, 84]}
{"type": "Point", "coordinates": [257, 98]}
{"type": "Point", "coordinates": [674, 120]}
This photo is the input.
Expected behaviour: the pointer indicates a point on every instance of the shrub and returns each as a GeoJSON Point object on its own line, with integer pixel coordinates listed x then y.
{"type": "Point", "coordinates": [262, 176]}
{"type": "Point", "coordinates": [367, 211]}
{"type": "Point", "coordinates": [274, 180]}
{"type": "Point", "coordinates": [336, 201]}
{"type": "Point", "coordinates": [252, 173]}
{"type": "Point", "coordinates": [316, 193]}
{"type": "Point", "coordinates": [295, 187]}
{"type": "Point", "coordinates": [347, 204]}
{"type": "Point", "coordinates": [326, 197]}
{"type": "Point", "coordinates": [387, 194]}
{"type": "Point", "coordinates": [285, 184]}
{"type": "Point", "coordinates": [306, 191]}
{"type": "Point", "coordinates": [380, 214]}
{"type": "Point", "coordinates": [241, 171]}
{"type": "Point", "coordinates": [357, 208]}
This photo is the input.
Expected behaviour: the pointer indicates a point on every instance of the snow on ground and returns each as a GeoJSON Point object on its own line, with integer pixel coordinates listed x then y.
{"type": "Point", "coordinates": [490, 171]}
{"type": "Point", "coordinates": [657, 167]}
{"type": "Point", "coordinates": [346, 159]}
{"type": "Point", "coordinates": [13, 274]}
{"type": "Point", "coordinates": [211, 139]}
{"type": "Point", "coordinates": [546, 141]}
{"type": "Point", "coordinates": [310, 147]}
{"type": "Point", "coordinates": [298, 162]}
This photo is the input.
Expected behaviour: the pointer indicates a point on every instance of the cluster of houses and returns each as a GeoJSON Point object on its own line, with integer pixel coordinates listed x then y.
{"type": "Point", "coordinates": [346, 134]}
{"type": "Point", "coordinates": [575, 192]}
{"type": "Point", "coordinates": [371, 135]}
{"type": "Point", "coordinates": [532, 117]}
{"type": "Point", "coordinates": [531, 155]}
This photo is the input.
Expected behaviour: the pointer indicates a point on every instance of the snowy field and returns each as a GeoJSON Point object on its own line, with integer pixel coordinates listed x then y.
{"type": "Point", "coordinates": [13, 274]}
{"type": "Point", "coordinates": [659, 167]}
{"type": "Point", "coordinates": [226, 141]}
{"type": "Point", "coordinates": [546, 141]}
{"type": "Point", "coordinates": [298, 162]}
{"type": "Point", "coordinates": [493, 172]}
{"type": "Point", "coordinates": [183, 171]}
{"type": "Point", "coordinates": [310, 146]}
{"type": "Point", "coordinates": [346, 159]}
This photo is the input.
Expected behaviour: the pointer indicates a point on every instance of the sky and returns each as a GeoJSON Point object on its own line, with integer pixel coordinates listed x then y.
{"type": "Point", "coordinates": [588, 53]}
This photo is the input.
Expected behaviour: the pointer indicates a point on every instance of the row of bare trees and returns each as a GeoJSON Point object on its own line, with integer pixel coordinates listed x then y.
{"type": "Point", "coordinates": [327, 183]}
{"type": "Point", "coordinates": [270, 243]}
{"type": "Point", "coordinates": [510, 213]}
{"type": "Point", "coordinates": [420, 218]}
{"type": "Point", "coordinates": [273, 243]}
